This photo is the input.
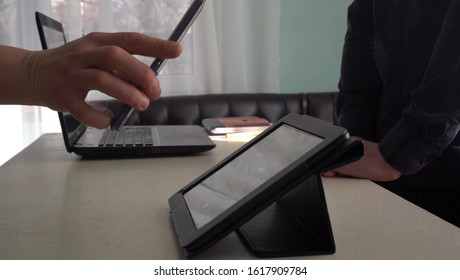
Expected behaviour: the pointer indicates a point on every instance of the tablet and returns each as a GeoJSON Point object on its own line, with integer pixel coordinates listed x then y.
{"type": "Point", "coordinates": [195, 8]}
{"type": "Point", "coordinates": [249, 180]}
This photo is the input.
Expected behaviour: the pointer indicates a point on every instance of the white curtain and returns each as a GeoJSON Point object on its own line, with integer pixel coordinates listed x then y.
{"type": "Point", "coordinates": [22, 123]}
{"type": "Point", "coordinates": [247, 36]}
{"type": "Point", "coordinates": [232, 47]}
{"type": "Point", "coordinates": [235, 49]}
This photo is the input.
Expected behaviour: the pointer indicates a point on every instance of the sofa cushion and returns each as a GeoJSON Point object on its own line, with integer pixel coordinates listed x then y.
{"type": "Point", "coordinates": [191, 109]}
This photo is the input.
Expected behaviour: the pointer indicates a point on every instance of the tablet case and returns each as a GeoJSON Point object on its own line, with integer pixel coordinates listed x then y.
{"type": "Point", "coordinates": [298, 223]}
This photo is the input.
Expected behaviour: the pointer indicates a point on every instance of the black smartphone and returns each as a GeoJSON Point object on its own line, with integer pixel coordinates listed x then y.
{"type": "Point", "coordinates": [123, 113]}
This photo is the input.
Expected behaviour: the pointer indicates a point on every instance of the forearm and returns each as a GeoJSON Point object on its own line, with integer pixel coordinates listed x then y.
{"type": "Point", "coordinates": [360, 82]}
{"type": "Point", "coordinates": [14, 79]}
{"type": "Point", "coordinates": [60, 78]}
{"type": "Point", "coordinates": [431, 122]}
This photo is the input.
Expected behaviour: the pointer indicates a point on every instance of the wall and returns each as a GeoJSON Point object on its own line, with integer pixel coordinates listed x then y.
{"type": "Point", "coordinates": [312, 33]}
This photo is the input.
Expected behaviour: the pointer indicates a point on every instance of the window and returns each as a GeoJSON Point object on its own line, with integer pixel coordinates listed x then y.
{"type": "Point", "coordinates": [232, 47]}
{"type": "Point", "coordinates": [155, 18]}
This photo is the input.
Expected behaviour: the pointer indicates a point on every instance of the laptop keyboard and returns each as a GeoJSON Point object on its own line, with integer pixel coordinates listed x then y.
{"type": "Point", "coordinates": [127, 136]}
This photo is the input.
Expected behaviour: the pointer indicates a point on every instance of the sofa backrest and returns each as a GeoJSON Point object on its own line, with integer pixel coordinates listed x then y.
{"type": "Point", "coordinates": [191, 109]}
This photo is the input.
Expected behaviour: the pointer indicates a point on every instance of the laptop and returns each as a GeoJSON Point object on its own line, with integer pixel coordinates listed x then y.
{"type": "Point", "coordinates": [196, 6]}
{"type": "Point", "coordinates": [127, 141]}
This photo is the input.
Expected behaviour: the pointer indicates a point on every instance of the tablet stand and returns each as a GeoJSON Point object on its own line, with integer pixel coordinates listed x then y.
{"type": "Point", "coordinates": [296, 225]}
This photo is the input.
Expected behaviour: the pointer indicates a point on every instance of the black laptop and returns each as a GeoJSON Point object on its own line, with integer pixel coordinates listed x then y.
{"type": "Point", "coordinates": [126, 141]}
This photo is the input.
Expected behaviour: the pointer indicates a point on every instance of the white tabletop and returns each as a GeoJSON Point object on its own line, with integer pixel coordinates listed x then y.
{"type": "Point", "coordinates": [54, 205]}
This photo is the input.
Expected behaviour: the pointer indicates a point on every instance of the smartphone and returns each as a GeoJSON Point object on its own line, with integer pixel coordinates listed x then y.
{"type": "Point", "coordinates": [179, 32]}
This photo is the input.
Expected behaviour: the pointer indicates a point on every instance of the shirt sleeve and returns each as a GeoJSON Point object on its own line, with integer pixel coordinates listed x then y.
{"type": "Point", "coordinates": [359, 85]}
{"type": "Point", "coordinates": [431, 122]}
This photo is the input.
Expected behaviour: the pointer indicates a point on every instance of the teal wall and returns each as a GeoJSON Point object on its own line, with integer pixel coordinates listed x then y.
{"type": "Point", "coordinates": [312, 33]}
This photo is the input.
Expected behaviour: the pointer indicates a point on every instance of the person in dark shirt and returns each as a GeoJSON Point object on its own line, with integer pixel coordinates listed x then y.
{"type": "Point", "coordinates": [399, 91]}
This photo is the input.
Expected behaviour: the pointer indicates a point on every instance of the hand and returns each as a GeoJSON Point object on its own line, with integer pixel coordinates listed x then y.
{"type": "Point", "coordinates": [371, 166]}
{"type": "Point", "coordinates": [61, 78]}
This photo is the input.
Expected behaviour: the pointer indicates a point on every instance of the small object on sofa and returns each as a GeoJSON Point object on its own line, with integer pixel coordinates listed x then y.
{"type": "Point", "coordinates": [227, 125]}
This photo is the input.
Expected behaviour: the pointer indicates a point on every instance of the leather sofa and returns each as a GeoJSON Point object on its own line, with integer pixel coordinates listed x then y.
{"type": "Point", "coordinates": [191, 109]}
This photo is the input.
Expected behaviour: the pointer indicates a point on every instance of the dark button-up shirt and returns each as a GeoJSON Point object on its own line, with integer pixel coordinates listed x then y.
{"type": "Point", "coordinates": [400, 78]}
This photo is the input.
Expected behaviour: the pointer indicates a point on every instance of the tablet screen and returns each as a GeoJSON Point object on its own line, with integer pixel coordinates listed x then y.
{"type": "Point", "coordinates": [246, 172]}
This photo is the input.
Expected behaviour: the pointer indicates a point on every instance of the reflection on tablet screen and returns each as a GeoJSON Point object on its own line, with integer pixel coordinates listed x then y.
{"type": "Point", "coordinates": [245, 173]}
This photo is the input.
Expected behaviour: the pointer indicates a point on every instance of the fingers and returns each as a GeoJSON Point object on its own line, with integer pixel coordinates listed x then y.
{"type": "Point", "coordinates": [115, 87]}
{"type": "Point", "coordinates": [113, 52]}
{"type": "Point", "coordinates": [136, 43]}
{"type": "Point", "coordinates": [371, 166]}
{"type": "Point", "coordinates": [88, 115]}
{"type": "Point", "coordinates": [128, 67]}
{"type": "Point", "coordinates": [104, 62]}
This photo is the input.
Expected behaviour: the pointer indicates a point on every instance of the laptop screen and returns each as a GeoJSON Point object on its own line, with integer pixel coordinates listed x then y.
{"type": "Point", "coordinates": [54, 38]}
{"type": "Point", "coordinates": [51, 36]}
{"type": "Point", "coordinates": [168, 139]}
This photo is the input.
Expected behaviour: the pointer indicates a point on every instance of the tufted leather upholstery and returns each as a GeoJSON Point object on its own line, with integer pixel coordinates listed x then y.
{"type": "Point", "coordinates": [191, 109]}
